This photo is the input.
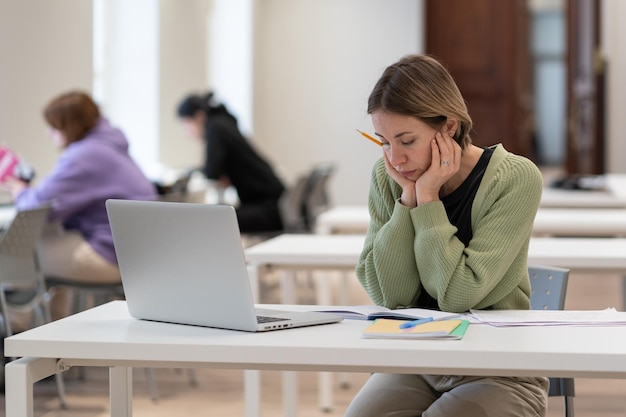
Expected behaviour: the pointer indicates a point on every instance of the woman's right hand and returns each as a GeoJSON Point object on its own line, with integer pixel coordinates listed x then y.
{"type": "Point", "coordinates": [14, 186]}
{"type": "Point", "coordinates": [408, 197]}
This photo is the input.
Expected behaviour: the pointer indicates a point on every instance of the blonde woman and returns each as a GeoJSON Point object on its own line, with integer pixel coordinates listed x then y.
{"type": "Point", "coordinates": [450, 227]}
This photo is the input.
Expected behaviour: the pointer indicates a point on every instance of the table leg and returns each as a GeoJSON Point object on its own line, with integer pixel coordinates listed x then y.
{"type": "Point", "coordinates": [252, 393]}
{"type": "Point", "coordinates": [290, 394]}
{"type": "Point", "coordinates": [121, 391]}
{"type": "Point", "coordinates": [344, 294]}
{"type": "Point", "coordinates": [325, 379]}
{"type": "Point", "coordinates": [325, 399]}
{"type": "Point", "coordinates": [288, 287]}
{"type": "Point", "coordinates": [290, 379]}
{"type": "Point", "coordinates": [20, 376]}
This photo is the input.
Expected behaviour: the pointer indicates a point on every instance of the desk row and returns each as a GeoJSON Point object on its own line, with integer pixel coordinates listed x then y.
{"type": "Point", "coordinates": [548, 221]}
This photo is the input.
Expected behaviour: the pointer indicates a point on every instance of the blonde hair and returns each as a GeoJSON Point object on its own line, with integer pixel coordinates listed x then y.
{"type": "Point", "coordinates": [420, 86]}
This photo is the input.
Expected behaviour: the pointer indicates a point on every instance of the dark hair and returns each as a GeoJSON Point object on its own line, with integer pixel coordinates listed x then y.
{"type": "Point", "coordinates": [421, 87]}
{"type": "Point", "coordinates": [73, 113]}
{"type": "Point", "coordinates": [190, 105]}
{"type": "Point", "coordinates": [206, 103]}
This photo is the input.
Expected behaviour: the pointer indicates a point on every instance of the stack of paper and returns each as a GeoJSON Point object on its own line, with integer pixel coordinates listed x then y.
{"type": "Point", "coordinates": [607, 317]}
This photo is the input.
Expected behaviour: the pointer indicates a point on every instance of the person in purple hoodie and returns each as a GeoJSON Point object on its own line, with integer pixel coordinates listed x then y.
{"type": "Point", "coordinates": [93, 166]}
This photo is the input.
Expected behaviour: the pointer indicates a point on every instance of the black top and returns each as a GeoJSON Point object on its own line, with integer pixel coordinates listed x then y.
{"type": "Point", "coordinates": [229, 154]}
{"type": "Point", "coordinates": [458, 205]}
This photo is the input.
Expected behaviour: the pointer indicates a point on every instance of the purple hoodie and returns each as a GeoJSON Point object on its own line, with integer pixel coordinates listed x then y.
{"type": "Point", "coordinates": [87, 173]}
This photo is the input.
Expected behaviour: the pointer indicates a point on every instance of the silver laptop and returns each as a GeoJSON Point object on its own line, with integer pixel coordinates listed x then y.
{"type": "Point", "coordinates": [184, 263]}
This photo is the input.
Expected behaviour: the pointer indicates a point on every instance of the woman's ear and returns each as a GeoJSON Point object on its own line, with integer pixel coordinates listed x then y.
{"type": "Point", "coordinates": [451, 126]}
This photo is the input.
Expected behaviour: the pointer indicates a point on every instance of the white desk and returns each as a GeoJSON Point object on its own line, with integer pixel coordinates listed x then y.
{"type": "Point", "coordinates": [613, 197]}
{"type": "Point", "coordinates": [580, 222]}
{"type": "Point", "coordinates": [108, 336]}
{"type": "Point", "coordinates": [294, 251]}
{"type": "Point", "coordinates": [548, 221]}
{"type": "Point", "coordinates": [343, 220]}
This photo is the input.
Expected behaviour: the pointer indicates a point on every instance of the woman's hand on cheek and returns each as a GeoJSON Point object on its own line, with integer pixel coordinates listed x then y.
{"type": "Point", "coordinates": [408, 187]}
{"type": "Point", "coordinates": [445, 162]}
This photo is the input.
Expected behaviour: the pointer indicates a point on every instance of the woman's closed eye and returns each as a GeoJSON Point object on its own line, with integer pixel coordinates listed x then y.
{"type": "Point", "coordinates": [406, 142]}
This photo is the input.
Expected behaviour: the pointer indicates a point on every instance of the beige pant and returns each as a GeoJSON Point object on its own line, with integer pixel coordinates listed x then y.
{"type": "Point", "coordinates": [396, 395]}
{"type": "Point", "coordinates": [66, 254]}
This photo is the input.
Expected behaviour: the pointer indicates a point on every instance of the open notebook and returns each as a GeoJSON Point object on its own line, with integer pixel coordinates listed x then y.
{"type": "Point", "coordinates": [184, 263]}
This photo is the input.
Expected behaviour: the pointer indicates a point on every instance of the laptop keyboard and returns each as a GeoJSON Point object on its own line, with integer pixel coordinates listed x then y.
{"type": "Point", "coordinates": [267, 319]}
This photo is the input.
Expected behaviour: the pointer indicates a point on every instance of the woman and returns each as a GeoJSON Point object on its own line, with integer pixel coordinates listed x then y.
{"type": "Point", "coordinates": [450, 227]}
{"type": "Point", "coordinates": [94, 165]}
{"type": "Point", "coordinates": [231, 160]}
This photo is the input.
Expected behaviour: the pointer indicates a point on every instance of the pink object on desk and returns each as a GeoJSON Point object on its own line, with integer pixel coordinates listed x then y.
{"type": "Point", "coordinates": [8, 162]}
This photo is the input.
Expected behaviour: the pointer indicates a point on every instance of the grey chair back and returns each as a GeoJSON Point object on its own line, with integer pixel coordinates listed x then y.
{"type": "Point", "coordinates": [22, 285]}
{"type": "Point", "coordinates": [317, 198]}
{"type": "Point", "coordinates": [18, 260]}
{"type": "Point", "coordinates": [307, 198]}
{"type": "Point", "coordinates": [290, 206]}
{"type": "Point", "coordinates": [548, 289]}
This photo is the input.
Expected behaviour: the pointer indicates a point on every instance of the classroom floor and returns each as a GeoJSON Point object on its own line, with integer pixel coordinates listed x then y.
{"type": "Point", "coordinates": [220, 392]}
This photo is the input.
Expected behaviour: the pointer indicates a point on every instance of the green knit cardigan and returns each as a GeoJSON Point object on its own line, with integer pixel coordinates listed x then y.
{"type": "Point", "coordinates": [409, 250]}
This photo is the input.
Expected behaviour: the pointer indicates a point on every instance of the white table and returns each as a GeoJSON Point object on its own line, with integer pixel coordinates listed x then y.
{"type": "Point", "coordinates": [343, 220]}
{"type": "Point", "coordinates": [580, 222]}
{"type": "Point", "coordinates": [108, 336]}
{"type": "Point", "coordinates": [548, 221]}
{"type": "Point", "coordinates": [613, 197]}
{"type": "Point", "coordinates": [301, 251]}
{"type": "Point", "coordinates": [293, 252]}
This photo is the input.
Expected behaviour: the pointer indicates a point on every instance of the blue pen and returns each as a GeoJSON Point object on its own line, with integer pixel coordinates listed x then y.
{"type": "Point", "coordinates": [411, 324]}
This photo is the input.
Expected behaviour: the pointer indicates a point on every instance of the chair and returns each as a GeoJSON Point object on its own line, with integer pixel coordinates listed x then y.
{"type": "Point", "coordinates": [85, 295]}
{"type": "Point", "coordinates": [306, 199]}
{"type": "Point", "coordinates": [316, 196]}
{"type": "Point", "coordinates": [22, 286]}
{"type": "Point", "coordinates": [300, 204]}
{"type": "Point", "coordinates": [290, 205]}
{"type": "Point", "coordinates": [548, 288]}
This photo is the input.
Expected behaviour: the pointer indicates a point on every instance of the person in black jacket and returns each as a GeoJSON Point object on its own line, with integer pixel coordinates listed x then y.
{"type": "Point", "coordinates": [230, 159]}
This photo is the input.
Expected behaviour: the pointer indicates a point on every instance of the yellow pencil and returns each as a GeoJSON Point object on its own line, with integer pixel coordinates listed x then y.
{"type": "Point", "coordinates": [373, 139]}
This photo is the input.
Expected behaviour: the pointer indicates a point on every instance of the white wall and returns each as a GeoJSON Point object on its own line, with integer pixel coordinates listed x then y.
{"type": "Point", "coordinates": [230, 57]}
{"type": "Point", "coordinates": [316, 62]}
{"type": "Point", "coordinates": [147, 69]}
{"type": "Point", "coordinates": [130, 95]}
{"type": "Point", "coordinates": [183, 68]}
{"type": "Point", "coordinates": [45, 50]}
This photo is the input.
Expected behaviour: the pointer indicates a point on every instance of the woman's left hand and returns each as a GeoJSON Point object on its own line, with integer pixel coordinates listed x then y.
{"type": "Point", "coordinates": [445, 163]}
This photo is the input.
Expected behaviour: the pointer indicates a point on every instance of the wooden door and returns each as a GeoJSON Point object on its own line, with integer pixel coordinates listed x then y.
{"type": "Point", "coordinates": [585, 89]}
{"type": "Point", "coordinates": [484, 44]}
